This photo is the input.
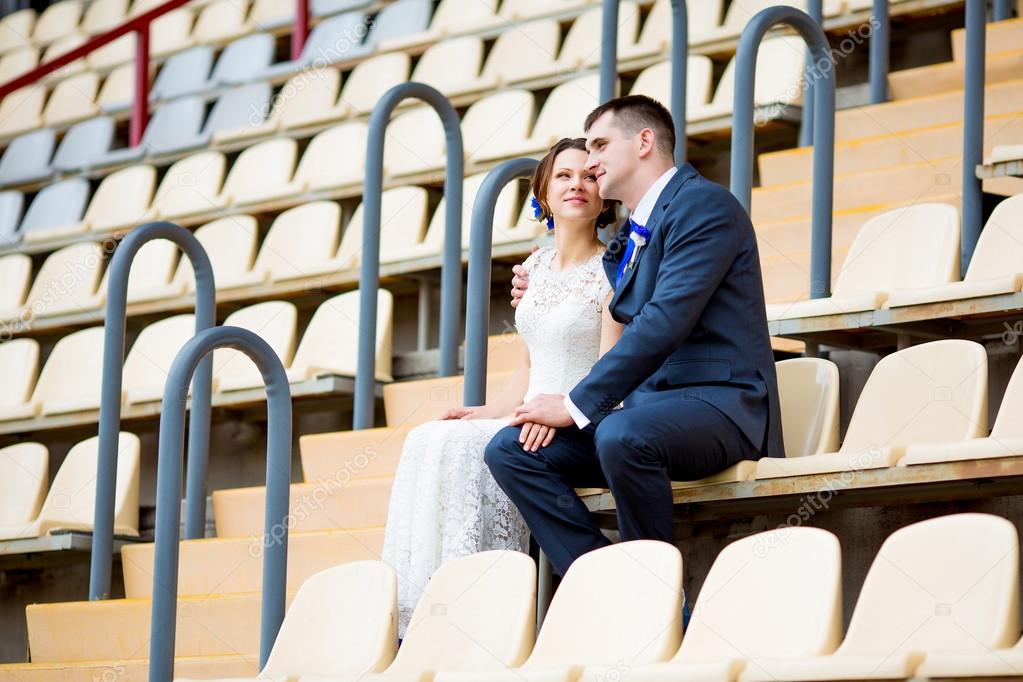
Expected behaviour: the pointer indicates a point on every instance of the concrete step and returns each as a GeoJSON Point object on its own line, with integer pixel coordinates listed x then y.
{"type": "Point", "coordinates": [235, 565]}
{"type": "Point", "coordinates": [883, 151]}
{"type": "Point", "coordinates": [118, 629]}
{"type": "Point", "coordinates": [326, 505]}
{"type": "Point", "coordinates": [131, 670]}
{"type": "Point", "coordinates": [948, 76]}
{"type": "Point", "coordinates": [409, 403]}
{"type": "Point", "coordinates": [1002, 36]}
{"type": "Point", "coordinates": [923, 112]}
{"type": "Point", "coordinates": [342, 456]}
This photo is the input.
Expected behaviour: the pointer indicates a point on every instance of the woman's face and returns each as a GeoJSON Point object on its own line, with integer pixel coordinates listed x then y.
{"type": "Point", "coordinates": [572, 193]}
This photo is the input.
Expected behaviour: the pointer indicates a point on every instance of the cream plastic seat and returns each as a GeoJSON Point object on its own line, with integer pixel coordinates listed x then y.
{"type": "Point", "coordinates": [562, 115]}
{"type": "Point", "coordinates": [616, 606]}
{"type": "Point", "coordinates": [1006, 152]}
{"type": "Point", "coordinates": [330, 342]}
{"type": "Point", "coordinates": [221, 21]}
{"type": "Point", "coordinates": [267, 15]}
{"type": "Point", "coordinates": [16, 29]}
{"type": "Point", "coordinates": [414, 143]}
{"type": "Point", "coordinates": [300, 241]}
{"type": "Point", "coordinates": [580, 50]}
{"type": "Point", "coordinates": [17, 62]}
{"type": "Point", "coordinates": [523, 54]}
{"type": "Point", "coordinates": [56, 21]}
{"type": "Point", "coordinates": [655, 81]}
{"type": "Point", "coordinates": [103, 15]}
{"type": "Point", "coordinates": [71, 378]}
{"type": "Point", "coordinates": [71, 502]}
{"type": "Point", "coordinates": [151, 274]}
{"type": "Point", "coordinates": [62, 46]}
{"type": "Point", "coordinates": [930, 393]}
{"type": "Point", "coordinates": [948, 585]}
{"type": "Point", "coordinates": [148, 362]}
{"type": "Point", "coordinates": [703, 18]}
{"type": "Point", "coordinates": [67, 282]}
{"type": "Point", "coordinates": [403, 216]}
{"type": "Point", "coordinates": [122, 200]}
{"type": "Point", "coordinates": [452, 66]}
{"type": "Point", "coordinates": [73, 99]}
{"type": "Point", "coordinates": [15, 275]}
{"type": "Point", "coordinates": [994, 267]}
{"type": "Point", "coordinates": [526, 227]}
{"type": "Point", "coordinates": [275, 322]}
{"type": "Point", "coordinates": [787, 611]}
{"type": "Point", "coordinates": [190, 186]}
{"type": "Point", "coordinates": [118, 90]}
{"type": "Point", "coordinates": [22, 110]}
{"type": "Point", "coordinates": [453, 17]}
{"type": "Point", "coordinates": [230, 243]}
{"type": "Point", "coordinates": [496, 124]}
{"type": "Point", "coordinates": [524, 9]}
{"type": "Point", "coordinates": [911, 247]}
{"type": "Point", "coordinates": [371, 78]}
{"type": "Point", "coordinates": [739, 14]}
{"type": "Point", "coordinates": [303, 101]}
{"type": "Point", "coordinates": [24, 474]}
{"type": "Point", "coordinates": [334, 158]}
{"type": "Point", "coordinates": [260, 173]}
{"type": "Point", "coordinates": [19, 365]}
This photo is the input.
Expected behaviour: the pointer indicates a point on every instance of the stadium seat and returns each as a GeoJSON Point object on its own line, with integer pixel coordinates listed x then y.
{"type": "Point", "coordinates": [69, 381]}
{"type": "Point", "coordinates": [66, 282]}
{"type": "Point", "coordinates": [11, 204]}
{"type": "Point", "coordinates": [148, 362]}
{"type": "Point", "coordinates": [15, 29]}
{"type": "Point", "coordinates": [944, 586]}
{"type": "Point", "coordinates": [174, 127]}
{"type": "Point", "coordinates": [56, 211]}
{"type": "Point", "coordinates": [451, 17]}
{"type": "Point", "coordinates": [62, 46]}
{"type": "Point", "coordinates": [24, 474]}
{"type": "Point", "coordinates": [22, 110]}
{"type": "Point", "coordinates": [122, 199]}
{"type": "Point", "coordinates": [17, 62]}
{"type": "Point", "coordinates": [275, 322]}
{"type": "Point", "coordinates": [787, 611]}
{"type": "Point", "coordinates": [562, 115]}
{"type": "Point", "coordinates": [230, 243]}
{"type": "Point", "coordinates": [396, 20]}
{"type": "Point", "coordinates": [808, 389]}
{"type": "Point", "coordinates": [371, 78]}
{"type": "Point", "coordinates": [331, 41]}
{"type": "Point", "coordinates": [655, 81]}
{"type": "Point", "coordinates": [56, 21]}
{"type": "Point", "coordinates": [739, 14]}
{"type": "Point", "coordinates": [330, 342]}
{"type": "Point", "coordinates": [402, 224]}
{"type": "Point", "coordinates": [118, 90]}
{"type": "Point", "coordinates": [27, 157]}
{"type": "Point", "coordinates": [526, 227]}
{"type": "Point", "coordinates": [580, 50]}
{"type": "Point", "coordinates": [152, 272]}
{"type": "Point", "coordinates": [923, 235]}
{"type": "Point", "coordinates": [190, 186]}
{"type": "Point", "coordinates": [70, 503]}
{"type": "Point", "coordinates": [523, 54]}
{"type": "Point", "coordinates": [452, 66]}
{"type": "Point", "coordinates": [19, 363]}
{"type": "Point", "coordinates": [334, 158]}
{"type": "Point", "coordinates": [245, 105]}
{"type": "Point", "coordinates": [305, 100]}
{"type": "Point", "coordinates": [414, 143]}
{"type": "Point", "coordinates": [496, 123]}
{"type": "Point", "coordinates": [259, 173]}
{"type": "Point", "coordinates": [115, 53]}
{"type": "Point", "coordinates": [1006, 152]}
{"type": "Point", "coordinates": [184, 73]}
{"type": "Point", "coordinates": [525, 9]}
{"type": "Point", "coordinates": [326, 8]}
{"type": "Point", "coordinates": [243, 60]}
{"type": "Point", "coordinates": [171, 32]}
{"type": "Point", "coordinates": [267, 15]}
{"type": "Point", "coordinates": [616, 607]}
{"type": "Point", "coordinates": [703, 17]}
{"type": "Point", "coordinates": [84, 144]}
{"type": "Point", "coordinates": [103, 15]}
{"type": "Point", "coordinates": [221, 21]}
{"type": "Point", "coordinates": [930, 393]}
{"type": "Point", "coordinates": [300, 240]}
{"type": "Point", "coordinates": [995, 267]}
{"type": "Point", "coordinates": [15, 275]}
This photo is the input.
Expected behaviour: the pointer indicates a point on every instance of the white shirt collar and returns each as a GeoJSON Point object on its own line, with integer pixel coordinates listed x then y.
{"type": "Point", "coordinates": [646, 205]}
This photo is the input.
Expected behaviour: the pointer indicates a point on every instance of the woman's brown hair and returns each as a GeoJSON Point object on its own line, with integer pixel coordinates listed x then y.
{"type": "Point", "coordinates": [542, 177]}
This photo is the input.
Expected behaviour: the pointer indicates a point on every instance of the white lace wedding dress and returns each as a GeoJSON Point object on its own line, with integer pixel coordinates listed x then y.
{"type": "Point", "coordinates": [444, 502]}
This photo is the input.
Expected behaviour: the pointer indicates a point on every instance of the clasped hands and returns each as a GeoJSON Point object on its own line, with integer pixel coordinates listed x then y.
{"type": "Point", "coordinates": [540, 419]}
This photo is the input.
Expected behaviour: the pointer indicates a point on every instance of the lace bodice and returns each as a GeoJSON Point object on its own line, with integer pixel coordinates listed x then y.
{"type": "Point", "coordinates": [559, 319]}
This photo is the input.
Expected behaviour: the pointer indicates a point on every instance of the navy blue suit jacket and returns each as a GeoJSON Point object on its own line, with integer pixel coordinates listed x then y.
{"type": "Point", "coordinates": [693, 306]}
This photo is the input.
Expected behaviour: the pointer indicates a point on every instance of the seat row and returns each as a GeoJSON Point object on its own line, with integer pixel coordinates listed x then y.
{"type": "Point", "coordinates": [66, 384]}
{"type": "Point", "coordinates": [941, 598]}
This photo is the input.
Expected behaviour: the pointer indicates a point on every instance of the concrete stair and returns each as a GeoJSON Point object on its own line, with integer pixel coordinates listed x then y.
{"type": "Point", "coordinates": [1002, 36]}
{"type": "Point", "coordinates": [948, 76]}
{"type": "Point", "coordinates": [123, 669]}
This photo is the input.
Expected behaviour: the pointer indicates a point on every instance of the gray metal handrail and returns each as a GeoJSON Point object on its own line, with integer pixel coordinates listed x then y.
{"type": "Point", "coordinates": [823, 75]}
{"type": "Point", "coordinates": [1002, 10]}
{"type": "Point", "coordinates": [973, 129]}
{"type": "Point", "coordinates": [815, 8]}
{"type": "Point", "coordinates": [451, 263]}
{"type": "Point", "coordinates": [880, 40]}
{"type": "Point", "coordinates": [477, 308]}
{"type": "Point", "coordinates": [608, 50]}
{"type": "Point", "coordinates": [110, 394]}
{"type": "Point", "coordinates": [168, 491]}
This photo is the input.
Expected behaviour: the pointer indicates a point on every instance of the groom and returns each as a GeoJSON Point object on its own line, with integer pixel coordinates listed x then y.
{"type": "Point", "coordinates": [693, 368]}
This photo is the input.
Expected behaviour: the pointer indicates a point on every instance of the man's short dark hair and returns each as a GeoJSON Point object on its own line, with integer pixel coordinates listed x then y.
{"type": "Point", "coordinates": [635, 112]}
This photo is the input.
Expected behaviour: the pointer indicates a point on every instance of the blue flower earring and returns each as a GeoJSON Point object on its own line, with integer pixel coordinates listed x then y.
{"type": "Point", "coordinates": [538, 213]}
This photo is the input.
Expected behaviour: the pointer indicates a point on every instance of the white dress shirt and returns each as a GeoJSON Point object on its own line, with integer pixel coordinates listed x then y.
{"type": "Point", "coordinates": [640, 216]}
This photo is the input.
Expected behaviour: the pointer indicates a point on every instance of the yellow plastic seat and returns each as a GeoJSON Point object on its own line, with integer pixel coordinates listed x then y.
{"type": "Point", "coordinates": [15, 276]}
{"type": "Point", "coordinates": [19, 365]}
{"type": "Point", "coordinates": [703, 18]}
{"type": "Point", "coordinates": [122, 200]}
{"type": "Point", "coordinates": [71, 502]}
{"type": "Point", "coordinates": [22, 111]}
{"type": "Point", "coordinates": [655, 81]}
{"type": "Point", "coordinates": [371, 78]}
{"type": "Point", "coordinates": [73, 99]}
{"type": "Point", "coordinates": [562, 115]}
{"type": "Point", "coordinates": [56, 21]}
{"type": "Point", "coordinates": [452, 66]}
{"type": "Point", "coordinates": [403, 216]}
{"type": "Point", "coordinates": [24, 474]}
{"type": "Point", "coordinates": [103, 15]}
{"type": "Point", "coordinates": [786, 611]}
{"type": "Point", "coordinates": [190, 186]}
{"type": "Point", "coordinates": [221, 22]}
{"type": "Point", "coordinates": [948, 585]}
{"type": "Point", "coordinates": [118, 89]}
{"type": "Point", "coordinates": [907, 248]}
{"type": "Point", "coordinates": [930, 393]}
{"type": "Point", "coordinates": [303, 101]}
{"type": "Point", "coordinates": [808, 389]}
{"type": "Point", "coordinates": [270, 14]}
{"type": "Point", "coordinates": [496, 124]}
{"type": "Point", "coordinates": [62, 46]}
{"type": "Point", "coordinates": [781, 62]}
{"type": "Point", "coordinates": [16, 29]}
{"type": "Point", "coordinates": [275, 322]}
{"type": "Point", "coordinates": [67, 282]}
{"type": "Point", "coordinates": [618, 606]}
{"type": "Point", "coordinates": [994, 267]}
{"type": "Point", "coordinates": [414, 143]}
{"type": "Point", "coordinates": [334, 158]}
{"type": "Point", "coordinates": [580, 50]}
{"type": "Point", "coordinates": [523, 54]}
{"type": "Point", "coordinates": [71, 378]}
{"type": "Point", "coordinates": [259, 173]}
{"type": "Point", "coordinates": [230, 243]}
{"type": "Point", "coordinates": [330, 342]}
{"type": "Point", "coordinates": [300, 241]}
{"type": "Point", "coordinates": [148, 362]}
{"type": "Point", "coordinates": [151, 274]}
{"type": "Point", "coordinates": [17, 62]}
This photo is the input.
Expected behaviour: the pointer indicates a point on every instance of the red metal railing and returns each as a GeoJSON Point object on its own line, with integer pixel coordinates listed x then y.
{"type": "Point", "coordinates": [140, 26]}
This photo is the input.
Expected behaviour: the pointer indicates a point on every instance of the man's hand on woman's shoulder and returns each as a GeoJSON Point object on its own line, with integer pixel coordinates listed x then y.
{"type": "Point", "coordinates": [520, 280]}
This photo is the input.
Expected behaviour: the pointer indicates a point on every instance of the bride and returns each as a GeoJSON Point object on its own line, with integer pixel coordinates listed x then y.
{"type": "Point", "coordinates": [444, 503]}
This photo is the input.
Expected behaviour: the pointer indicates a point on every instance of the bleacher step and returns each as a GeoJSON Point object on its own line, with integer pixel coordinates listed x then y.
{"type": "Point", "coordinates": [1001, 36]}
{"type": "Point", "coordinates": [948, 76]}
{"type": "Point", "coordinates": [131, 670]}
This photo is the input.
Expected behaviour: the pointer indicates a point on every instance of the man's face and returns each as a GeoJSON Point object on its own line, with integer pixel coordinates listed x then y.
{"type": "Point", "coordinates": [612, 156]}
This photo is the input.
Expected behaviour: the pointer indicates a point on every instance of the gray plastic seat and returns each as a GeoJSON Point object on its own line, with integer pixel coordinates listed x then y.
{"type": "Point", "coordinates": [244, 60]}
{"type": "Point", "coordinates": [184, 73]}
{"type": "Point", "coordinates": [59, 205]}
{"type": "Point", "coordinates": [174, 127]}
{"type": "Point", "coordinates": [85, 144]}
{"type": "Point", "coordinates": [399, 19]}
{"type": "Point", "coordinates": [11, 204]}
{"type": "Point", "coordinates": [325, 8]}
{"type": "Point", "coordinates": [27, 157]}
{"type": "Point", "coordinates": [245, 105]}
{"type": "Point", "coordinates": [332, 40]}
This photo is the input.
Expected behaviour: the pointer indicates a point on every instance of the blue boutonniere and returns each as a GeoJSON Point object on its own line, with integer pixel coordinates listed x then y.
{"type": "Point", "coordinates": [538, 213]}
